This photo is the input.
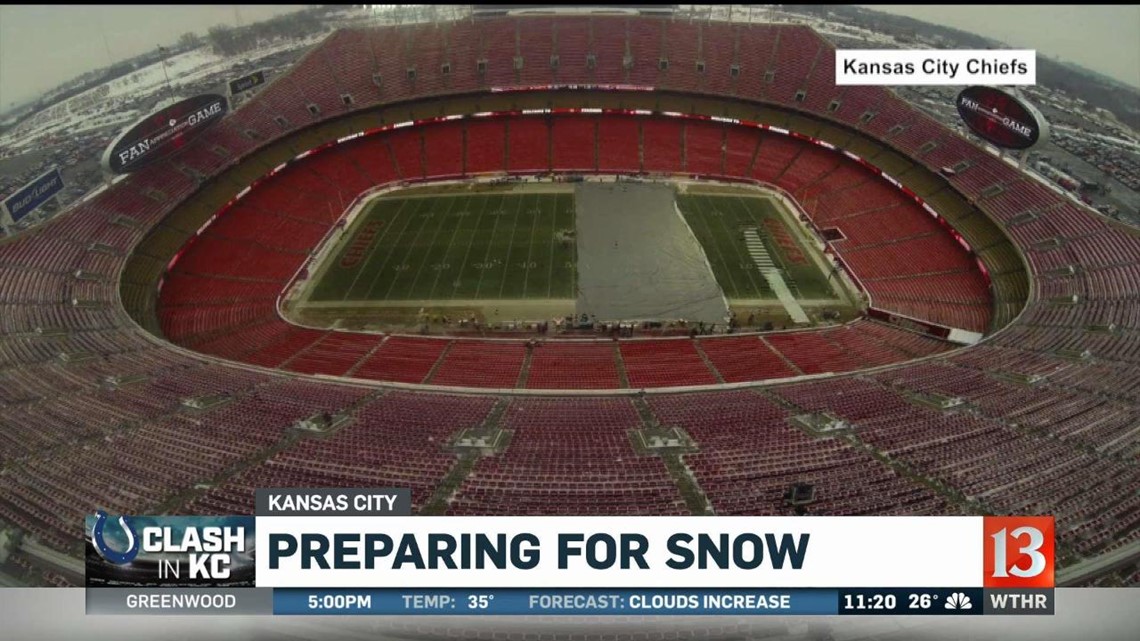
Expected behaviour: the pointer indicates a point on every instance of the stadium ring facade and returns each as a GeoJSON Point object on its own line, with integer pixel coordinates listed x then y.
{"type": "Point", "coordinates": [1037, 418]}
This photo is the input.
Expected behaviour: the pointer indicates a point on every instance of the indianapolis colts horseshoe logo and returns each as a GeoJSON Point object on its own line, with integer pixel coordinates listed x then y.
{"type": "Point", "coordinates": [118, 558]}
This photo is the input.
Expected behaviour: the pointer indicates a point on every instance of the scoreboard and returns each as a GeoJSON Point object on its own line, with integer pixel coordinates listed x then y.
{"type": "Point", "coordinates": [360, 552]}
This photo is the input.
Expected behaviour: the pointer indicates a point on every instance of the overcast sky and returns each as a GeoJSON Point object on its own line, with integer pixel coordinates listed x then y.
{"type": "Point", "coordinates": [42, 46]}
{"type": "Point", "coordinates": [1104, 38]}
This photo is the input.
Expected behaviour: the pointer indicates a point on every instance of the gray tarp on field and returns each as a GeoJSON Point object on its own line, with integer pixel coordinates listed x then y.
{"type": "Point", "coordinates": [638, 260]}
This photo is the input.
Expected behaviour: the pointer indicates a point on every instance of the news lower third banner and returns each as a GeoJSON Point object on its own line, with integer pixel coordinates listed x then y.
{"type": "Point", "coordinates": [359, 551]}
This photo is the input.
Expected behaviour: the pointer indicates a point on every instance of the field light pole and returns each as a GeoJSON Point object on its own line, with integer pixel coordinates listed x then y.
{"type": "Point", "coordinates": [169, 90]}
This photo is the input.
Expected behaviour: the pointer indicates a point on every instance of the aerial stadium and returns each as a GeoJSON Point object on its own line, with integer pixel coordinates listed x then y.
{"type": "Point", "coordinates": [587, 262]}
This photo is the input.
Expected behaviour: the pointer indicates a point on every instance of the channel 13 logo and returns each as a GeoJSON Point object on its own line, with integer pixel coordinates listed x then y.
{"type": "Point", "coordinates": [202, 551]}
{"type": "Point", "coordinates": [1019, 551]}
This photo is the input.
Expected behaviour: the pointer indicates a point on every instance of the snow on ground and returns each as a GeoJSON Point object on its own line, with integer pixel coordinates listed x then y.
{"type": "Point", "coordinates": [1130, 145]}
{"type": "Point", "coordinates": [103, 106]}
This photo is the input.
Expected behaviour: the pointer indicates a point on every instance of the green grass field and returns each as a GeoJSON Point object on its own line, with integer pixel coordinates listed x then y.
{"type": "Point", "coordinates": [719, 221]}
{"type": "Point", "coordinates": [455, 247]}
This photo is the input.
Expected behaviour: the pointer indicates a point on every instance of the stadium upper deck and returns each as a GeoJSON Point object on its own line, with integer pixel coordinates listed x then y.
{"type": "Point", "coordinates": [1049, 404]}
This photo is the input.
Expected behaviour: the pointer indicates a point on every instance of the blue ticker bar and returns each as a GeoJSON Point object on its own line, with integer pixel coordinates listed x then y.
{"type": "Point", "coordinates": [616, 601]}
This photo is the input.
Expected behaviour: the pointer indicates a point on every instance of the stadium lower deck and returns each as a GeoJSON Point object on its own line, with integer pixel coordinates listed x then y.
{"type": "Point", "coordinates": [905, 261]}
{"type": "Point", "coordinates": [1040, 417]}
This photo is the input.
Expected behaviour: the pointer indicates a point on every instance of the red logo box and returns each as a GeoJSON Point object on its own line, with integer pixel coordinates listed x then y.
{"type": "Point", "coordinates": [1018, 551]}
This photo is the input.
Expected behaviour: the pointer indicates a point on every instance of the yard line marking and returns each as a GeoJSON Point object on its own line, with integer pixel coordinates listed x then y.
{"type": "Point", "coordinates": [553, 229]}
{"type": "Point", "coordinates": [375, 247]}
{"type": "Point", "coordinates": [470, 243]}
{"type": "Point", "coordinates": [750, 214]}
{"type": "Point", "coordinates": [777, 256]}
{"type": "Point", "coordinates": [716, 245]}
{"type": "Point", "coordinates": [398, 243]}
{"type": "Point", "coordinates": [530, 245]}
{"type": "Point", "coordinates": [574, 249]}
{"type": "Point", "coordinates": [450, 242]}
{"type": "Point", "coordinates": [405, 265]}
{"type": "Point", "coordinates": [490, 244]}
{"type": "Point", "coordinates": [431, 246]}
{"type": "Point", "coordinates": [510, 246]}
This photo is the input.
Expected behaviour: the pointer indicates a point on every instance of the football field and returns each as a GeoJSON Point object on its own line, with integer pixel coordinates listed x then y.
{"type": "Point", "coordinates": [502, 253]}
{"type": "Point", "coordinates": [723, 224]}
{"type": "Point", "coordinates": [454, 247]}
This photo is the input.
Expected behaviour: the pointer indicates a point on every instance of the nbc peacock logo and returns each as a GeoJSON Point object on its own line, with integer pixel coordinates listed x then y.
{"type": "Point", "coordinates": [958, 601]}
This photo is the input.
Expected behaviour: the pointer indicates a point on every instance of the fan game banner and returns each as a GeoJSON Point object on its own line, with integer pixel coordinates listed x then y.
{"type": "Point", "coordinates": [359, 551]}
